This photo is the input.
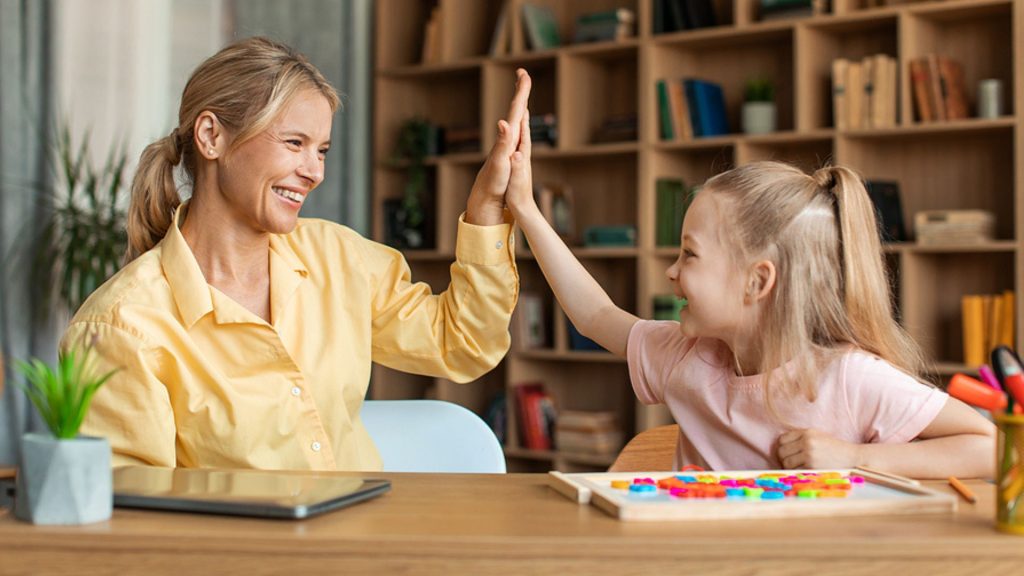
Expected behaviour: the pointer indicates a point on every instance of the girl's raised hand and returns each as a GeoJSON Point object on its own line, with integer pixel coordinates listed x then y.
{"type": "Point", "coordinates": [520, 185]}
{"type": "Point", "coordinates": [487, 198]}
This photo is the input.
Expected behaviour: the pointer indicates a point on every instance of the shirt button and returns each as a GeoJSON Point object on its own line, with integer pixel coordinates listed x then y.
{"type": "Point", "coordinates": [296, 391]}
{"type": "Point", "coordinates": [498, 244]}
{"type": "Point", "coordinates": [315, 446]}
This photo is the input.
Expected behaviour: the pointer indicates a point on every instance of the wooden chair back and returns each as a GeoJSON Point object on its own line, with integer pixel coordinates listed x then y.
{"type": "Point", "coordinates": [650, 450]}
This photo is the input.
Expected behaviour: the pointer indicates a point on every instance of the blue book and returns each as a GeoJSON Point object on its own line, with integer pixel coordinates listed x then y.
{"type": "Point", "coordinates": [690, 89]}
{"type": "Point", "coordinates": [710, 104]}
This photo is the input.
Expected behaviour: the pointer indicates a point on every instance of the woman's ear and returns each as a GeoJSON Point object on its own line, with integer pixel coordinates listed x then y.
{"type": "Point", "coordinates": [208, 135]}
{"type": "Point", "coordinates": [761, 280]}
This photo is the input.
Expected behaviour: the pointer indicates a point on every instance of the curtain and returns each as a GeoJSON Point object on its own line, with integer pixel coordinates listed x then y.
{"type": "Point", "coordinates": [25, 121]}
{"type": "Point", "coordinates": [335, 36]}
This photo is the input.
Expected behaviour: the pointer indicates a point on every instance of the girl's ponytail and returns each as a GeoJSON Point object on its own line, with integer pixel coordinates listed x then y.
{"type": "Point", "coordinates": [154, 196]}
{"type": "Point", "coordinates": [865, 286]}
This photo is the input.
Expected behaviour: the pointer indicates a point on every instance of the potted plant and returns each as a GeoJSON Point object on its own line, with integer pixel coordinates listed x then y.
{"type": "Point", "coordinates": [63, 478]}
{"type": "Point", "coordinates": [407, 217]}
{"type": "Point", "coordinates": [759, 111]}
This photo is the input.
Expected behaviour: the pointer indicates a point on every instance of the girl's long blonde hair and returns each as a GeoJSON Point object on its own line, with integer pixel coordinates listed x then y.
{"type": "Point", "coordinates": [831, 287]}
{"type": "Point", "coordinates": [246, 85]}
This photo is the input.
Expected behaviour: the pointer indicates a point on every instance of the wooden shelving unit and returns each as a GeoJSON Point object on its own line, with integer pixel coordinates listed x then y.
{"type": "Point", "coordinates": [963, 164]}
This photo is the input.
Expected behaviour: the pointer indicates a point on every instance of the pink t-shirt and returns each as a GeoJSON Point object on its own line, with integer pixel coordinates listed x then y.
{"type": "Point", "coordinates": [724, 423]}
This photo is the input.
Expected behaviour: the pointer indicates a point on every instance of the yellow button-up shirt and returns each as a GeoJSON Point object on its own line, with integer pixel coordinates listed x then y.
{"type": "Point", "coordinates": [204, 382]}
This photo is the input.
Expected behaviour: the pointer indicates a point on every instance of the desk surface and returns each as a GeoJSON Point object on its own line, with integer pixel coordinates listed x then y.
{"type": "Point", "coordinates": [509, 524]}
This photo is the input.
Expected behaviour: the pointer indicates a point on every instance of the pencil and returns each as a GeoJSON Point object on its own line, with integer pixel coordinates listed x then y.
{"type": "Point", "coordinates": [963, 490]}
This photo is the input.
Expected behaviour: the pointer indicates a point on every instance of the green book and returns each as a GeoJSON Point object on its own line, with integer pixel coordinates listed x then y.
{"type": "Point", "coordinates": [664, 111]}
{"type": "Point", "coordinates": [541, 27]}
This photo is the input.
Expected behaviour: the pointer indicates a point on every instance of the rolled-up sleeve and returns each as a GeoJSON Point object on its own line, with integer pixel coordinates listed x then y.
{"type": "Point", "coordinates": [459, 334]}
{"type": "Point", "coordinates": [132, 410]}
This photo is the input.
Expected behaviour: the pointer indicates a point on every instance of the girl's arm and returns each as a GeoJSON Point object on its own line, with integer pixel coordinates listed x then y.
{"type": "Point", "coordinates": [958, 442]}
{"type": "Point", "coordinates": [586, 303]}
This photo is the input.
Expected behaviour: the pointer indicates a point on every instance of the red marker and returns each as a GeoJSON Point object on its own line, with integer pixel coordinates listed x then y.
{"type": "Point", "coordinates": [975, 393]}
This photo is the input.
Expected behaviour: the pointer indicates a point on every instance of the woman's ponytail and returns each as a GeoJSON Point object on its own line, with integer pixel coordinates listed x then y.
{"type": "Point", "coordinates": [154, 196]}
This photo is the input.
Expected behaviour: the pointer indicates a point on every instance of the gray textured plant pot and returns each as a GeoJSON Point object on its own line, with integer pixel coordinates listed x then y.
{"type": "Point", "coordinates": [758, 117]}
{"type": "Point", "coordinates": [64, 481]}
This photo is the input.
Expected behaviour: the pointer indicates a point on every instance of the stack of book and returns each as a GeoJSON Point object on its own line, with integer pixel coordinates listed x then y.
{"type": "Point", "coordinates": [544, 129]}
{"type": "Point", "coordinates": [617, 128]}
{"type": "Point", "coordinates": [583, 432]}
{"type": "Point", "coordinates": [784, 9]}
{"type": "Point", "coordinates": [607, 25]}
{"type": "Point", "coordinates": [954, 227]}
{"type": "Point", "coordinates": [461, 139]}
{"type": "Point", "coordinates": [536, 416]}
{"type": "Point", "coordinates": [864, 93]}
{"type": "Point", "coordinates": [671, 201]}
{"type": "Point", "coordinates": [690, 108]}
{"type": "Point", "coordinates": [937, 83]}
{"type": "Point", "coordinates": [676, 15]}
{"type": "Point", "coordinates": [987, 322]}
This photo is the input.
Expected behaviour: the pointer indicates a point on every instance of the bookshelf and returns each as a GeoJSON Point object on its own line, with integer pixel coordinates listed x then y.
{"type": "Point", "coordinates": [972, 163]}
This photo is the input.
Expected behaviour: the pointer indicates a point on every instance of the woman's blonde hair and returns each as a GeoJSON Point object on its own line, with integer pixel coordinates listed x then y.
{"type": "Point", "coordinates": [246, 85]}
{"type": "Point", "coordinates": [831, 287]}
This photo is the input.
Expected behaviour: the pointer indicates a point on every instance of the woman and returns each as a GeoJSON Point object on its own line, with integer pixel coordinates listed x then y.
{"type": "Point", "coordinates": [243, 334]}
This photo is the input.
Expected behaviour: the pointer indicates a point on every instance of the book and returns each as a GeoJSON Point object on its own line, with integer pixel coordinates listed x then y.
{"type": "Point", "coordinates": [936, 93]}
{"type": "Point", "coordinates": [885, 195]}
{"type": "Point", "coordinates": [556, 205]}
{"type": "Point", "coordinates": [666, 129]}
{"type": "Point", "coordinates": [502, 35]}
{"type": "Point", "coordinates": [855, 95]}
{"type": "Point", "coordinates": [600, 443]}
{"type": "Point", "coordinates": [973, 313]}
{"type": "Point", "coordinates": [920, 86]}
{"type": "Point", "coordinates": [706, 103]}
{"type": "Point", "coordinates": [587, 420]}
{"type": "Point", "coordinates": [431, 51]}
{"type": "Point", "coordinates": [672, 199]}
{"type": "Point", "coordinates": [699, 13]}
{"type": "Point", "coordinates": [840, 106]}
{"type": "Point", "coordinates": [867, 65]}
{"type": "Point", "coordinates": [667, 307]}
{"type": "Point", "coordinates": [951, 73]}
{"type": "Point", "coordinates": [615, 24]}
{"type": "Point", "coordinates": [529, 326]}
{"type": "Point", "coordinates": [679, 110]}
{"type": "Point", "coordinates": [956, 227]}
{"type": "Point", "coordinates": [616, 128]}
{"type": "Point", "coordinates": [606, 236]}
{"type": "Point", "coordinates": [541, 27]}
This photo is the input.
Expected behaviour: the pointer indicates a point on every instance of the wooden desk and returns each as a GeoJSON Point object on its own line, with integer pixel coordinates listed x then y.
{"type": "Point", "coordinates": [512, 524]}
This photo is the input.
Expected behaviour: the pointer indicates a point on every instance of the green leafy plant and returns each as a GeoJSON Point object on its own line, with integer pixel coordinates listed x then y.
{"type": "Point", "coordinates": [62, 396]}
{"type": "Point", "coordinates": [759, 90]}
{"type": "Point", "coordinates": [410, 151]}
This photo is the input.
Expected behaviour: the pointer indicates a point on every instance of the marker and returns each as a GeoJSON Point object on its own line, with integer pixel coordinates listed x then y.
{"type": "Point", "coordinates": [962, 489]}
{"type": "Point", "coordinates": [1012, 372]}
{"type": "Point", "coordinates": [973, 392]}
{"type": "Point", "coordinates": [989, 377]}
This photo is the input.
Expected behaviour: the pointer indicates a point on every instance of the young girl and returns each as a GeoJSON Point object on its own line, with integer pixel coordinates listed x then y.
{"type": "Point", "coordinates": [786, 353]}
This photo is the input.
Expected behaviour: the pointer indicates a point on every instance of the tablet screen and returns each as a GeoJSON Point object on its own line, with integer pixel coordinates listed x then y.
{"type": "Point", "coordinates": [240, 492]}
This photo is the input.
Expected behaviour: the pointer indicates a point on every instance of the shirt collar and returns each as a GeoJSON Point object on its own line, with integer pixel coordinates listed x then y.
{"type": "Point", "coordinates": [192, 293]}
{"type": "Point", "coordinates": [188, 285]}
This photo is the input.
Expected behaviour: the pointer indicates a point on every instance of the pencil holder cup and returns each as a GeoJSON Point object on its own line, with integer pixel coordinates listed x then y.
{"type": "Point", "coordinates": [1010, 473]}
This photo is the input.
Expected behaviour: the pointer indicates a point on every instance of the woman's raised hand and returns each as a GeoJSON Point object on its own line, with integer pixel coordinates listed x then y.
{"type": "Point", "coordinates": [520, 184]}
{"type": "Point", "coordinates": [487, 198]}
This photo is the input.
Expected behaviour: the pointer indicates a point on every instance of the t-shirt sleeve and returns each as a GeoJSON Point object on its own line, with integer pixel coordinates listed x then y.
{"type": "Point", "coordinates": [886, 404]}
{"type": "Point", "coordinates": [653, 349]}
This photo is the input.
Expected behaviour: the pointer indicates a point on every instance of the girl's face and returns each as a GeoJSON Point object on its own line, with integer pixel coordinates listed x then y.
{"type": "Point", "coordinates": [267, 178]}
{"type": "Point", "coordinates": [706, 275]}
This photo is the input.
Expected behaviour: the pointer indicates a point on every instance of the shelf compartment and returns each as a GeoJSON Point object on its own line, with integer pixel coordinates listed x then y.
{"type": "Point", "coordinates": [977, 36]}
{"type": "Point", "coordinates": [818, 44]}
{"type": "Point", "coordinates": [602, 189]}
{"type": "Point", "coordinates": [692, 166]}
{"type": "Point", "coordinates": [931, 296]}
{"type": "Point", "coordinates": [981, 177]}
{"type": "Point", "coordinates": [466, 29]}
{"type": "Point", "coordinates": [450, 100]}
{"type": "Point", "coordinates": [729, 61]}
{"type": "Point", "coordinates": [565, 14]}
{"type": "Point", "coordinates": [594, 87]}
{"type": "Point", "coordinates": [389, 186]}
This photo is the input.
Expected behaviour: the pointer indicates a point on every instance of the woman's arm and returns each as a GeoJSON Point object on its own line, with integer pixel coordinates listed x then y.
{"type": "Point", "coordinates": [486, 204]}
{"type": "Point", "coordinates": [958, 442]}
{"type": "Point", "coordinates": [586, 303]}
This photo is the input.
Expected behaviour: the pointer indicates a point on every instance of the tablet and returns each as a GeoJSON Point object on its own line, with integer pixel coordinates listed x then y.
{"type": "Point", "coordinates": [260, 493]}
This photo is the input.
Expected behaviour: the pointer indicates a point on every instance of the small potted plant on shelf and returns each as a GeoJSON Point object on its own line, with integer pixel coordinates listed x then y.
{"type": "Point", "coordinates": [63, 478]}
{"type": "Point", "coordinates": [759, 110]}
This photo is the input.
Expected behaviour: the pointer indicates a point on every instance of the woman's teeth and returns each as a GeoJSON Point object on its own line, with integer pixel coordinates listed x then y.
{"type": "Point", "coordinates": [294, 196]}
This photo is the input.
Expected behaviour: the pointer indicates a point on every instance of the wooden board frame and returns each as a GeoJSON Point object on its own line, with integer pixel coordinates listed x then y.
{"type": "Point", "coordinates": [887, 494]}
